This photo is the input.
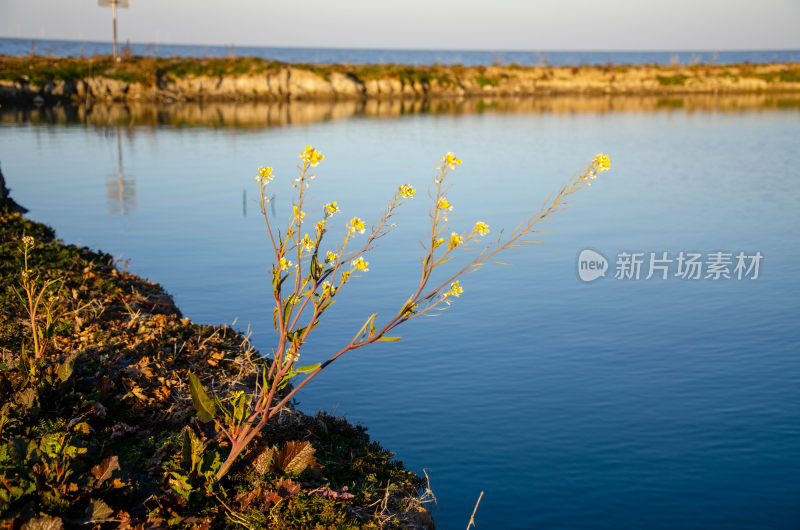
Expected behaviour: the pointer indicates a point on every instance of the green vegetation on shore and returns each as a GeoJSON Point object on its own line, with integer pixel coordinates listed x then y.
{"type": "Point", "coordinates": [99, 430]}
{"type": "Point", "coordinates": [254, 79]}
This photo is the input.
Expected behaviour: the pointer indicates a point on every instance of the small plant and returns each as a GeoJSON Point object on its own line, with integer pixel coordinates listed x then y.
{"type": "Point", "coordinates": [307, 279]}
{"type": "Point", "coordinates": [34, 290]}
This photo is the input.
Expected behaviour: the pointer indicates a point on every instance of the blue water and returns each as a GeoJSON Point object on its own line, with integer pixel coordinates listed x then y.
{"type": "Point", "coordinates": [654, 404]}
{"type": "Point", "coordinates": [59, 48]}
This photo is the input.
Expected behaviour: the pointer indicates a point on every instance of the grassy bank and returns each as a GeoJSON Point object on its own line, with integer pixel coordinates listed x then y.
{"type": "Point", "coordinates": [148, 78]}
{"type": "Point", "coordinates": [100, 430]}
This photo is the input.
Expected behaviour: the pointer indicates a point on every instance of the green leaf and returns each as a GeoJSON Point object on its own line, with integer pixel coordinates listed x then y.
{"type": "Point", "coordinates": [180, 484]}
{"type": "Point", "coordinates": [389, 339]}
{"type": "Point", "coordinates": [306, 369]}
{"type": "Point", "coordinates": [203, 404]}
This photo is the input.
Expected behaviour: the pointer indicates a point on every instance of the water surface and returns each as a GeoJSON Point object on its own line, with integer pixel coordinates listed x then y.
{"type": "Point", "coordinates": [611, 404]}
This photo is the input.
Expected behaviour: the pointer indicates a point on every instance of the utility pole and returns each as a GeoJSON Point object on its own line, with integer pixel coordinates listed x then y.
{"type": "Point", "coordinates": [114, 19]}
{"type": "Point", "coordinates": [114, 4]}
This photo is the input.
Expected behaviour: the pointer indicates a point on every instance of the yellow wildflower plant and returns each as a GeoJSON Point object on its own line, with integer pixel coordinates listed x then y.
{"type": "Point", "coordinates": [32, 297]}
{"type": "Point", "coordinates": [305, 289]}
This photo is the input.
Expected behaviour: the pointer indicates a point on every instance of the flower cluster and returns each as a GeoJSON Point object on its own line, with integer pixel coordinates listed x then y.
{"type": "Point", "coordinates": [481, 228]}
{"type": "Point", "coordinates": [360, 264]}
{"type": "Point", "coordinates": [307, 243]}
{"type": "Point", "coordinates": [406, 191]}
{"type": "Point", "coordinates": [356, 225]}
{"type": "Point", "coordinates": [331, 256]}
{"type": "Point", "coordinates": [601, 162]}
{"type": "Point", "coordinates": [285, 264]}
{"type": "Point", "coordinates": [455, 289]}
{"type": "Point", "coordinates": [264, 175]}
{"type": "Point", "coordinates": [450, 160]}
{"type": "Point", "coordinates": [444, 204]}
{"type": "Point", "coordinates": [298, 214]}
{"type": "Point", "coordinates": [330, 208]}
{"type": "Point", "coordinates": [27, 241]}
{"type": "Point", "coordinates": [311, 156]}
{"type": "Point", "coordinates": [455, 240]}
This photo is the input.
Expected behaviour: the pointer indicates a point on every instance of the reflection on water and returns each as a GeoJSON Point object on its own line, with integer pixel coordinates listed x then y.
{"type": "Point", "coordinates": [279, 114]}
{"type": "Point", "coordinates": [121, 191]}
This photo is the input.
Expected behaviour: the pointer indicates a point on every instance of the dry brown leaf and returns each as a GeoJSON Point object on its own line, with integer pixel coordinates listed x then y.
{"type": "Point", "coordinates": [104, 469]}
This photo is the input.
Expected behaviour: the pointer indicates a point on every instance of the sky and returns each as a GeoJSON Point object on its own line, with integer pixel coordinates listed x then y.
{"type": "Point", "coordinates": [672, 25]}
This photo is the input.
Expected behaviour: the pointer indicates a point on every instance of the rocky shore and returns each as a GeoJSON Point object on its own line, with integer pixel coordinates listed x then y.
{"type": "Point", "coordinates": [47, 80]}
{"type": "Point", "coordinates": [97, 427]}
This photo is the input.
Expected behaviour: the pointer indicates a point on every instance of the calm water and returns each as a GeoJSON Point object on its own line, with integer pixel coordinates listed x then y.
{"type": "Point", "coordinates": [61, 48]}
{"type": "Point", "coordinates": [655, 404]}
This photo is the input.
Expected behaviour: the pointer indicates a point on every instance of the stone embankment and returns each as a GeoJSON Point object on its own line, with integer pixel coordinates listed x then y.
{"type": "Point", "coordinates": [50, 80]}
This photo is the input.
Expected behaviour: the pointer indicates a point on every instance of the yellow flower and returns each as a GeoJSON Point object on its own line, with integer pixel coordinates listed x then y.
{"type": "Point", "coordinates": [481, 228]}
{"type": "Point", "coordinates": [327, 289]}
{"type": "Point", "coordinates": [331, 256]}
{"type": "Point", "coordinates": [455, 289]}
{"type": "Point", "coordinates": [444, 204]}
{"type": "Point", "coordinates": [298, 214]}
{"type": "Point", "coordinates": [356, 225]}
{"type": "Point", "coordinates": [27, 241]}
{"type": "Point", "coordinates": [330, 208]}
{"type": "Point", "coordinates": [285, 264]}
{"type": "Point", "coordinates": [307, 243]}
{"type": "Point", "coordinates": [406, 191]}
{"type": "Point", "coordinates": [455, 240]}
{"type": "Point", "coordinates": [450, 160]}
{"type": "Point", "coordinates": [264, 175]}
{"type": "Point", "coordinates": [438, 242]}
{"type": "Point", "coordinates": [360, 264]}
{"type": "Point", "coordinates": [601, 162]}
{"type": "Point", "coordinates": [311, 156]}
{"type": "Point", "coordinates": [320, 226]}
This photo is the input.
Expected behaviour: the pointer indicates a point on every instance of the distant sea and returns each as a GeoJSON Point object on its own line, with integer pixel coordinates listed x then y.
{"type": "Point", "coordinates": [63, 48]}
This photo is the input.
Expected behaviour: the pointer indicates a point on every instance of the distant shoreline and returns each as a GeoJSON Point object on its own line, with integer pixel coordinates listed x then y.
{"type": "Point", "coordinates": [50, 80]}
{"type": "Point", "coordinates": [409, 56]}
